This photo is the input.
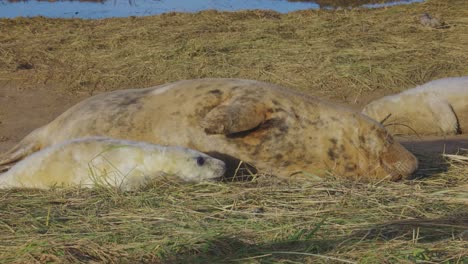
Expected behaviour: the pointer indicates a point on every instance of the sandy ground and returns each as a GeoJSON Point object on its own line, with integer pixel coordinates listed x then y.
{"type": "Point", "coordinates": [23, 110]}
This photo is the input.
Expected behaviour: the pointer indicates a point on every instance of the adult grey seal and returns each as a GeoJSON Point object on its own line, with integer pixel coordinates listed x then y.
{"type": "Point", "coordinates": [275, 129]}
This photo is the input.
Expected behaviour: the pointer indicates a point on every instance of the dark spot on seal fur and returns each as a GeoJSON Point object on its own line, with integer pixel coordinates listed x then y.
{"type": "Point", "coordinates": [295, 113]}
{"type": "Point", "coordinates": [124, 99]}
{"type": "Point", "coordinates": [129, 100]}
{"type": "Point", "coordinates": [25, 66]}
{"type": "Point", "coordinates": [279, 109]}
{"type": "Point", "coordinates": [332, 154]}
{"type": "Point", "coordinates": [215, 92]}
{"type": "Point", "coordinates": [275, 102]}
{"type": "Point", "coordinates": [277, 123]}
{"type": "Point", "coordinates": [350, 167]}
{"type": "Point", "coordinates": [334, 151]}
{"type": "Point", "coordinates": [278, 156]}
{"type": "Point", "coordinates": [316, 123]}
{"type": "Point", "coordinates": [362, 139]}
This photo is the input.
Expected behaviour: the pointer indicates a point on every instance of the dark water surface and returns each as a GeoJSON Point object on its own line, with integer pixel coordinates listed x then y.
{"type": "Point", "coordinates": [125, 8]}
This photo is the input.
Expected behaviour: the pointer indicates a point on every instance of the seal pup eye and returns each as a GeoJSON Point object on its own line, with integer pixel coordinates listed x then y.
{"type": "Point", "coordinates": [200, 161]}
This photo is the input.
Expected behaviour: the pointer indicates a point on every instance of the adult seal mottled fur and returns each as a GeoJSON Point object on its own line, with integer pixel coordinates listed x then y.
{"type": "Point", "coordinates": [277, 130]}
{"type": "Point", "coordinates": [439, 107]}
{"type": "Point", "coordinates": [98, 161]}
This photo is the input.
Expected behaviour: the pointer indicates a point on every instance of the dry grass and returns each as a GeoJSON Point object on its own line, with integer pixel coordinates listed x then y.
{"type": "Point", "coordinates": [262, 221]}
{"type": "Point", "coordinates": [345, 55]}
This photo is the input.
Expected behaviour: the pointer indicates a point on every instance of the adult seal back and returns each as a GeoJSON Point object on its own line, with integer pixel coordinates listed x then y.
{"type": "Point", "coordinates": [277, 130]}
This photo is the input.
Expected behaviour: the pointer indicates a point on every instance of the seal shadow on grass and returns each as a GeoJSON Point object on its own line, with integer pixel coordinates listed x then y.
{"type": "Point", "coordinates": [235, 250]}
{"type": "Point", "coordinates": [238, 249]}
{"type": "Point", "coordinates": [420, 230]}
{"type": "Point", "coordinates": [430, 153]}
{"type": "Point", "coordinates": [429, 165]}
{"type": "Point", "coordinates": [224, 249]}
{"type": "Point", "coordinates": [236, 169]}
{"type": "Point", "coordinates": [303, 243]}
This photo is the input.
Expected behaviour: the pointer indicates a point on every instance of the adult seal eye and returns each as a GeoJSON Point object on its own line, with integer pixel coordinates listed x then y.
{"type": "Point", "coordinates": [200, 161]}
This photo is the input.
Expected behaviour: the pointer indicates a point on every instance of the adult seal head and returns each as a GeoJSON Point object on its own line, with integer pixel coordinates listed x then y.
{"type": "Point", "coordinates": [275, 129]}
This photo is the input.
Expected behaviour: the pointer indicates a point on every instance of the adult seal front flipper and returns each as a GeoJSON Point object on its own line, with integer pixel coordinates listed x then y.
{"type": "Point", "coordinates": [236, 115]}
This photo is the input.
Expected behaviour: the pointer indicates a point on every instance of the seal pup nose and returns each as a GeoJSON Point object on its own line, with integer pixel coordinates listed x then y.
{"type": "Point", "coordinates": [221, 169]}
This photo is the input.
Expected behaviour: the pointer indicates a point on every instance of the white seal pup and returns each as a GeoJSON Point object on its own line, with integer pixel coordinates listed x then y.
{"type": "Point", "coordinates": [275, 129]}
{"type": "Point", "coordinates": [427, 20]}
{"type": "Point", "coordinates": [128, 165]}
{"type": "Point", "coordinates": [439, 107]}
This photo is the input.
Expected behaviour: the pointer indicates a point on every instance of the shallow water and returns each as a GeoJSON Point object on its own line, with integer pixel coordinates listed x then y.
{"type": "Point", "coordinates": [125, 8]}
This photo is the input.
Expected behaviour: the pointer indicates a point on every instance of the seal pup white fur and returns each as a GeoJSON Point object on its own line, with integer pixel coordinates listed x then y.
{"type": "Point", "coordinates": [275, 129]}
{"type": "Point", "coordinates": [125, 164]}
{"type": "Point", "coordinates": [439, 107]}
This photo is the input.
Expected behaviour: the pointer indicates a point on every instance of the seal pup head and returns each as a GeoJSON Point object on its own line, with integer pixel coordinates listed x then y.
{"type": "Point", "coordinates": [191, 165]}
